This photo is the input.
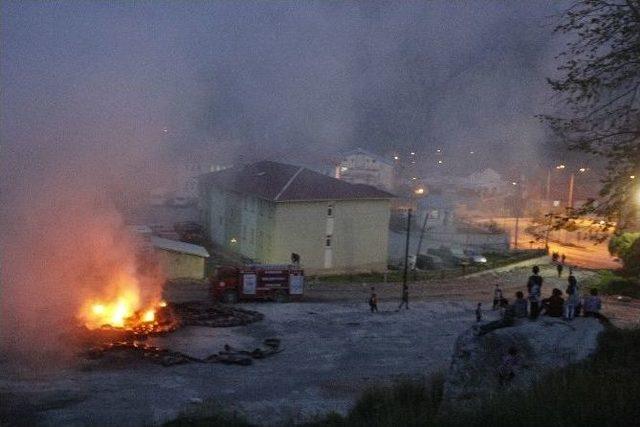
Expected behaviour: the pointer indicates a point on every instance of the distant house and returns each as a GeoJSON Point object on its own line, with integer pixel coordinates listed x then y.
{"type": "Point", "coordinates": [180, 260]}
{"type": "Point", "coordinates": [177, 260]}
{"type": "Point", "coordinates": [487, 182]}
{"type": "Point", "coordinates": [268, 210]}
{"type": "Point", "coordinates": [439, 209]}
{"type": "Point", "coordinates": [362, 167]}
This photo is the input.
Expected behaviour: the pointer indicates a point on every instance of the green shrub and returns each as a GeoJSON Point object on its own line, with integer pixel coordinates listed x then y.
{"type": "Point", "coordinates": [406, 403]}
{"type": "Point", "coordinates": [600, 391]}
{"type": "Point", "coordinates": [608, 282]}
{"type": "Point", "coordinates": [597, 392]}
{"type": "Point", "coordinates": [208, 415]}
{"type": "Point", "coordinates": [626, 246]}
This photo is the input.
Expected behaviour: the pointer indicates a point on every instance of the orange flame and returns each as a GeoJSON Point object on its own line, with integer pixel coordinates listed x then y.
{"type": "Point", "coordinates": [122, 310]}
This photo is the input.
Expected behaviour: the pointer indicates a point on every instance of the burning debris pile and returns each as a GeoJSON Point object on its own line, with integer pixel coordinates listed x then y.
{"type": "Point", "coordinates": [214, 315]}
{"type": "Point", "coordinates": [166, 357]}
{"type": "Point", "coordinates": [123, 337]}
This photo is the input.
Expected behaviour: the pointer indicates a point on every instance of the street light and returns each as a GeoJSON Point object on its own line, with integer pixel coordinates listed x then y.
{"type": "Point", "coordinates": [571, 182]}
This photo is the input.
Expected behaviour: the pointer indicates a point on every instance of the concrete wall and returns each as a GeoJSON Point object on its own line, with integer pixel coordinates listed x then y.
{"type": "Point", "coordinates": [178, 265]}
{"type": "Point", "coordinates": [239, 222]}
{"type": "Point", "coordinates": [358, 235]}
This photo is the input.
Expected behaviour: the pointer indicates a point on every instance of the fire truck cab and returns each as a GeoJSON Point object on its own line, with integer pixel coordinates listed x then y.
{"type": "Point", "coordinates": [276, 282]}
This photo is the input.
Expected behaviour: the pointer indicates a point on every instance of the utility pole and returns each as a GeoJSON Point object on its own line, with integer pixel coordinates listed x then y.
{"type": "Point", "coordinates": [548, 189]}
{"type": "Point", "coordinates": [546, 235]}
{"type": "Point", "coordinates": [570, 201]}
{"type": "Point", "coordinates": [406, 249]}
{"type": "Point", "coordinates": [424, 227]}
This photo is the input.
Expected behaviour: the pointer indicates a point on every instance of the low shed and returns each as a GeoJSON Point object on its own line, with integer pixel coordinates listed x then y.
{"type": "Point", "coordinates": [180, 260]}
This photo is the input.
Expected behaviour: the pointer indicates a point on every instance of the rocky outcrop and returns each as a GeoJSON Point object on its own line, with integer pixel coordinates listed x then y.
{"type": "Point", "coordinates": [542, 345]}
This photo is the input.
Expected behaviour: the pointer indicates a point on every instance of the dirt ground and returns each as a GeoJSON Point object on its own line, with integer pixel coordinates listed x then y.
{"type": "Point", "coordinates": [333, 349]}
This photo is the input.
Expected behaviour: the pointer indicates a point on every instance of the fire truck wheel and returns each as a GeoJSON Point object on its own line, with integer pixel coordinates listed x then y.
{"type": "Point", "coordinates": [281, 297]}
{"type": "Point", "coordinates": [230, 297]}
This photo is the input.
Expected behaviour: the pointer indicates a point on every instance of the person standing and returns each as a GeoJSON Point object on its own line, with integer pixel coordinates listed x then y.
{"type": "Point", "coordinates": [563, 257]}
{"type": "Point", "coordinates": [497, 297]}
{"type": "Point", "coordinates": [510, 362]}
{"type": "Point", "coordinates": [373, 301]}
{"type": "Point", "coordinates": [534, 287]}
{"type": "Point", "coordinates": [559, 267]}
{"type": "Point", "coordinates": [573, 298]}
{"type": "Point", "coordinates": [479, 312]}
{"type": "Point", "coordinates": [405, 298]}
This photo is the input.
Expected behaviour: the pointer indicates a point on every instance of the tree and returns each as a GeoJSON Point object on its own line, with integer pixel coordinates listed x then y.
{"type": "Point", "coordinates": [599, 87]}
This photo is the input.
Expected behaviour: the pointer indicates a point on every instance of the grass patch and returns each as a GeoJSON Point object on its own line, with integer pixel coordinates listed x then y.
{"type": "Point", "coordinates": [208, 415]}
{"type": "Point", "coordinates": [494, 260]}
{"type": "Point", "coordinates": [601, 391]}
{"type": "Point", "coordinates": [608, 282]}
{"type": "Point", "coordinates": [406, 403]}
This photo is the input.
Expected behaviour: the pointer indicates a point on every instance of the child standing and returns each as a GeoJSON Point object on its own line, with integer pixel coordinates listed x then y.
{"type": "Point", "coordinates": [479, 312]}
{"type": "Point", "coordinates": [497, 297]}
{"type": "Point", "coordinates": [573, 298]}
{"type": "Point", "coordinates": [373, 301]}
{"type": "Point", "coordinates": [559, 267]}
{"type": "Point", "coordinates": [405, 298]}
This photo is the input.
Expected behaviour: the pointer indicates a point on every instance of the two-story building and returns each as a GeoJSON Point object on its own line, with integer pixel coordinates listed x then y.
{"type": "Point", "coordinates": [269, 210]}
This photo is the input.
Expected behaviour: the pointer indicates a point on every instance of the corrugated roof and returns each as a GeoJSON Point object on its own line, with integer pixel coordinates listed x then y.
{"type": "Point", "coordinates": [177, 246]}
{"type": "Point", "coordinates": [280, 182]}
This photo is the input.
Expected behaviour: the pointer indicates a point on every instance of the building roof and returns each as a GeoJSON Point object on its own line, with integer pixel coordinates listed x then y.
{"type": "Point", "coordinates": [280, 182]}
{"type": "Point", "coordinates": [177, 246]}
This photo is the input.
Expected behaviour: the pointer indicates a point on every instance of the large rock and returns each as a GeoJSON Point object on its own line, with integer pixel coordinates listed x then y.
{"type": "Point", "coordinates": [548, 343]}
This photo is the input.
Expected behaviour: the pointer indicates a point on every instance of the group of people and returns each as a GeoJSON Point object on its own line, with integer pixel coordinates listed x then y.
{"type": "Point", "coordinates": [534, 305]}
{"type": "Point", "coordinates": [556, 305]}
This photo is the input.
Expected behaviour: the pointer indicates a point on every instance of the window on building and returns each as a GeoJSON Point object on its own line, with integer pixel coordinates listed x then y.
{"type": "Point", "coordinates": [330, 209]}
{"type": "Point", "coordinates": [327, 242]}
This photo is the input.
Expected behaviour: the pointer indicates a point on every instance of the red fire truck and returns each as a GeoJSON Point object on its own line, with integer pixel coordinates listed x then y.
{"type": "Point", "coordinates": [277, 282]}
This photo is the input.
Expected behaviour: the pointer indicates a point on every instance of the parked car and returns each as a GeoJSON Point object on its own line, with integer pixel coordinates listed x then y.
{"type": "Point", "coordinates": [425, 262]}
{"type": "Point", "coordinates": [475, 257]}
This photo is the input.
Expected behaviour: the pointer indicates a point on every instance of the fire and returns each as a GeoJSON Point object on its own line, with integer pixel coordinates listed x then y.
{"type": "Point", "coordinates": [149, 316]}
{"type": "Point", "coordinates": [124, 310]}
{"type": "Point", "coordinates": [120, 313]}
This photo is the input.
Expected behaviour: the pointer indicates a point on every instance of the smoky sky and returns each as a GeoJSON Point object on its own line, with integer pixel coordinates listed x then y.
{"type": "Point", "coordinates": [302, 81]}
